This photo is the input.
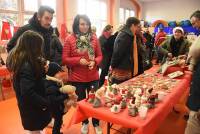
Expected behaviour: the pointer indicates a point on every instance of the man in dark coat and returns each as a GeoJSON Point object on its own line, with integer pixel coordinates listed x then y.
{"type": "Point", "coordinates": [193, 103]}
{"type": "Point", "coordinates": [56, 48]}
{"type": "Point", "coordinates": [122, 61]}
{"type": "Point", "coordinates": [41, 23]}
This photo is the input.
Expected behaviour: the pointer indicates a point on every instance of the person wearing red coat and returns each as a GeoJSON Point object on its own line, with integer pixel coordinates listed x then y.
{"type": "Point", "coordinates": [82, 54]}
{"type": "Point", "coordinates": [160, 37]}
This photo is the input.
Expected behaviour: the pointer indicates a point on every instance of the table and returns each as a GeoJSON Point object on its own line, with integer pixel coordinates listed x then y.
{"type": "Point", "coordinates": [141, 126]}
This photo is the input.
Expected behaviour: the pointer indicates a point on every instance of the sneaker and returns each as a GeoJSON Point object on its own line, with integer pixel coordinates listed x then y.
{"type": "Point", "coordinates": [84, 128]}
{"type": "Point", "coordinates": [98, 130]}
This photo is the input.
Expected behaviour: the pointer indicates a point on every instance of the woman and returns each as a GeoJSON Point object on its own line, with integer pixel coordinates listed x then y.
{"type": "Point", "coordinates": [107, 54]}
{"type": "Point", "coordinates": [82, 54]}
{"type": "Point", "coordinates": [27, 67]}
{"type": "Point", "coordinates": [175, 45]}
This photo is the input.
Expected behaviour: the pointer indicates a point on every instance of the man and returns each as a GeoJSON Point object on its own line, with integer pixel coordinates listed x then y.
{"type": "Point", "coordinates": [41, 23]}
{"type": "Point", "coordinates": [127, 60]}
{"type": "Point", "coordinates": [193, 124]}
{"type": "Point", "coordinates": [175, 45]}
{"type": "Point", "coordinates": [148, 44]}
{"type": "Point", "coordinates": [106, 51]}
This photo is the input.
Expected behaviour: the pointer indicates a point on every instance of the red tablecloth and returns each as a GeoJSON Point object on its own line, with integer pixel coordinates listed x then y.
{"type": "Point", "coordinates": [142, 126]}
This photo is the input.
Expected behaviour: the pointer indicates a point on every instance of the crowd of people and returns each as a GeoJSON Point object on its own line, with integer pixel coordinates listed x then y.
{"type": "Point", "coordinates": [122, 55]}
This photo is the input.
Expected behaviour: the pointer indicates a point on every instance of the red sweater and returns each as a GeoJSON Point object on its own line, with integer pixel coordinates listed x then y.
{"type": "Point", "coordinates": [71, 58]}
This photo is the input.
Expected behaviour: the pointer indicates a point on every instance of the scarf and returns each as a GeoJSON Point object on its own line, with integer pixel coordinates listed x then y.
{"type": "Point", "coordinates": [83, 44]}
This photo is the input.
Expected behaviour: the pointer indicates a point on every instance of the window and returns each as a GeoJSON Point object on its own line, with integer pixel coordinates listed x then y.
{"type": "Point", "coordinates": [9, 4]}
{"type": "Point", "coordinates": [20, 11]}
{"type": "Point", "coordinates": [124, 14]}
{"type": "Point", "coordinates": [91, 8]}
{"type": "Point", "coordinates": [30, 5]}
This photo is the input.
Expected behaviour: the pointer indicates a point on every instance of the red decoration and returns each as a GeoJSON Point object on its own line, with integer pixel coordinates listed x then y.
{"type": "Point", "coordinates": [63, 31]}
{"type": "Point", "coordinates": [6, 32]}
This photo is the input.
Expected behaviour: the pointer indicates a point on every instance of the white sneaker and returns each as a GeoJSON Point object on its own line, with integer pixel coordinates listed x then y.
{"type": "Point", "coordinates": [84, 128]}
{"type": "Point", "coordinates": [98, 130]}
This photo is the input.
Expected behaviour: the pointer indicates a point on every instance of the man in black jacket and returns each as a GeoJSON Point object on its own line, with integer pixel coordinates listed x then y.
{"type": "Point", "coordinates": [41, 23]}
{"type": "Point", "coordinates": [122, 61]}
{"type": "Point", "coordinates": [193, 124]}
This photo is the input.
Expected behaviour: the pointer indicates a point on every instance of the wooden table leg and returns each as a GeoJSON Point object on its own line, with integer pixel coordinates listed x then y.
{"type": "Point", "coordinates": [108, 127]}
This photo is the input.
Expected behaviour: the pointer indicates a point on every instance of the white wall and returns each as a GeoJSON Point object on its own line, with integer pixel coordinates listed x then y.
{"type": "Point", "coordinates": [169, 10]}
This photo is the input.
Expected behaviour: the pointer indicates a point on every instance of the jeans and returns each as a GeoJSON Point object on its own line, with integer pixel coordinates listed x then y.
{"type": "Point", "coordinates": [81, 88]}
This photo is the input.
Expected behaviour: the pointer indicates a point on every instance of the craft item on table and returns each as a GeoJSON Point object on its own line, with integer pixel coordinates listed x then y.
{"type": "Point", "coordinates": [129, 94]}
{"type": "Point", "coordinates": [144, 99]}
{"type": "Point", "coordinates": [152, 100]}
{"type": "Point", "coordinates": [123, 92]}
{"type": "Point", "coordinates": [132, 110]}
{"type": "Point", "coordinates": [148, 92]}
{"type": "Point", "coordinates": [177, 62]}
{"type": "Point", "coordinates": [175, 74]}
{"type": "Point", "coordinates": [161, 95]}
{"type": "Point", "coordinates": [117, 99]}
{"type": "Point", "coordinates": [97, 102]}
{"type": "Point", "coordinates": [91, 95]}
{"type": "Point", "coordinates": [164, 87]}
{"type": "Point", "coordinates": [123, 103]}
{"type": "Point", "coordinates": [143, 111]}
{"type": "Point", "coordinates": [99, 93]}
{"type": "Point", "coordinates": [115, 108]}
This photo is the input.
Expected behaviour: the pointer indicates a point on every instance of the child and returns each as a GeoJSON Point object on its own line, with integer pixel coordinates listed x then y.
{"type": "Point", "coordinates": [55, 96]}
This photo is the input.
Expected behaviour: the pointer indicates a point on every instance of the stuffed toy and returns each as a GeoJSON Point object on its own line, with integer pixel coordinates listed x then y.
{"type": "Point", "coordinates": [66, 89]}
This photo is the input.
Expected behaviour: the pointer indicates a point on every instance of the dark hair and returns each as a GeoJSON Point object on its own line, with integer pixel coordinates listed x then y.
{"type": "Point", "coordinates": [75, 25]}
{"type": "Point", "coordinates": [42, 9]}
{"type": "Point", "coordinates": [27, 50]}
{"type": "Point", "coordinates": [107, 28]}
{"type": "Point", "coordinates": [196, 14]}
{"type": "Point", "coordinates": [132, 20]}
{"type": "Point", "coordinates": [55, 31]}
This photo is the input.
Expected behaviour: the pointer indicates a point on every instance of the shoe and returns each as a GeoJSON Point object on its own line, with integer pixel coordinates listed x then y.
{"type": "Point", "coordinates": [84, 128]}
{"type": "Point", "coordinates": [98, 130]}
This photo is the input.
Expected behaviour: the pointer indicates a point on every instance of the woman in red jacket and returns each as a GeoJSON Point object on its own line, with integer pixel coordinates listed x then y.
{"type": "Point", "coordinates": [82, 54]}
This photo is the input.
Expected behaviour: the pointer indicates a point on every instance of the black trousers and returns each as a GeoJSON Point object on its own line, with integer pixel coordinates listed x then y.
{"type": "Point", "coordinates": [81, 88]}
{"type": "Point", "coordinates": [58, 121]}
{"type": "Point", "coordinates": [103, 74]}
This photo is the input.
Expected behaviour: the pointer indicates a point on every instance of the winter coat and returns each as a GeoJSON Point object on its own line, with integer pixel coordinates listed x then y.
{"type": "Point", "coordinates": [193, 102]}
{"type": "Point", "coordinates": [71, 57]}
{"type": "Point", "coordinates": [122, 57]}
{"type": "Point", "coordinates": [176, 48]}
{"type": "Point", "coordinates": [194, 53]}
{"type": "Point", "coordinates": [34, 25]}
{"type": "Point", "coordinates": [56, 50]}
{"type": "Point", "coordinates": [55, 97]}
{"type": "Point", "coordinates": [32, 103]}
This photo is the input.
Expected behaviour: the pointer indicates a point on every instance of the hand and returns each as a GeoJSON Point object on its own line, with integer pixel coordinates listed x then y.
{"type": "Point", "coordinates": [84, 62]}
{"type": "Point", "coordinates": [91, 65]}
{"type": "Point", "coordinates": [182, 56]}
{"type": "Point", "coordinates": [169, 55]}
